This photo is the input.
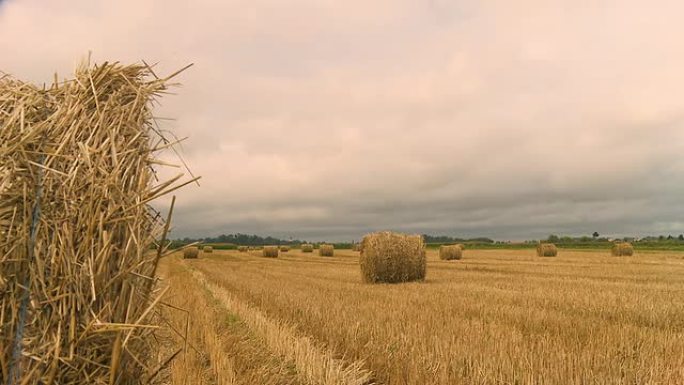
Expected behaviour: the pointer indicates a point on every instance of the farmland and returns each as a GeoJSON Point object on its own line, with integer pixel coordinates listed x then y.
{"type": "Point", "coordinates": [494, 317]}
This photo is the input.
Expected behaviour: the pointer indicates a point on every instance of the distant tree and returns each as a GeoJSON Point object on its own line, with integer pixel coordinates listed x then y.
{"type": "Point", "coordinates": [480, 240]}
{"type": "Point", "coordinates": [669, 237]}
{"type": "Point", "coordinates": [595, 235]}
{"type": "Point", "coordinates": [661, 237]}
{"type": "Point", "coordinates": [448, 239]}
{"type": "Point", "coordinates": [553, 238]}
{"type": "Point", "coordinates": [243, 239]}
{"type": "Point", "coordinates": [681, 237]}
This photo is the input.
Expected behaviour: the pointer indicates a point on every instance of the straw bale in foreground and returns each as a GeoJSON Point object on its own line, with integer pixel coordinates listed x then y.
{"type": "Point", "coordinates": [76, 229]}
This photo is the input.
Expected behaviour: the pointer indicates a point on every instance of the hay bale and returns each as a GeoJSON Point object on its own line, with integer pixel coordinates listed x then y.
{"type": "Point", "coordinates": [326, 250]}
{"type": "Point", "coordinates": [307, 248]}
{"type": "Point", "coordinates": [284, 248]}
{"type": "Point", "coordinates": [622, 249]}
{"type": "Point", "coordinates": [242, 249]}
{"type": "Point", "coordinates": [207, 249]}
{"type": "Point", "coordinates": [547, 250]}
{"type": "Point", "coordinates": [270, 251]}
{"type": "Point", "coordinates": [392, 257]}
{"type": "Point", "coordinates": [450, 252]}
{"type": "Point", "coordinates": [77, 177]}
{"type": "Point", "coordinates": [191, 252]}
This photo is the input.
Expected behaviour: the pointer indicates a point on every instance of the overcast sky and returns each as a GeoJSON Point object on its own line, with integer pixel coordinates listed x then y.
{"type": "Point", "coordinates": [326, 119]}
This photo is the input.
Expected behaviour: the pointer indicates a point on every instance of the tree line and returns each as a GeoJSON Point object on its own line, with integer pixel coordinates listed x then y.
{"type": "Point", "coordinates": [595, 237]}
{"type": "Point", "coordinates": [257, 240]}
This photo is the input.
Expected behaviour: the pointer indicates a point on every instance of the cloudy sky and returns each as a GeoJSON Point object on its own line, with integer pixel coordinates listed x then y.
{"type": "Point", "coordinates": [325, 119]}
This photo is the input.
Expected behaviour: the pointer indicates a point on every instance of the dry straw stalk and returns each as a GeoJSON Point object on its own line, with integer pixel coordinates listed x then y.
{"type": "Point", "coordinates": [326, 250]}
{"type": "Point", "coordinates": [392, 257]}
{"type": "Point", "coordinates": [76, 177]}
{"type": "Point", "coordinates": [450, 252]}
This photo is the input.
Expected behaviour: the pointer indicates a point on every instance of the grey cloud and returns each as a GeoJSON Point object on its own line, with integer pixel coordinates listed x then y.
{"type": "Point", "coordinates": [329, 119]}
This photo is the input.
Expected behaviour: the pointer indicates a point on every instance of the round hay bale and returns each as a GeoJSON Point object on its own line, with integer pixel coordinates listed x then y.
{"type": "Point", "coordinates": [547, 250]}
{"type": "Point", "coordinates": [207, 249]}
{"type": "Point", "coordinates": [326, 250]}
{"type": "Point", "coordinates": [391, 257]}
{"type": "Point", "coordinates": [284, 248]}
{"type": "Point", "coordinates": [622, 249]}
{"type": "Point", "coordinates": [243, 249]}
{"type": "Point", "coordinates": [270, 251]}
{"type": "Point", "coordinates": [191, 252]}
{"type": "Point", "coordinates": [307, 248]}
{"type": "Point", "coordinates": [450, 252]}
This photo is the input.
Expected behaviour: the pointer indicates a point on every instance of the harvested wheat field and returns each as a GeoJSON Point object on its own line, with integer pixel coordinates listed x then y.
{"type": "Point", "coordinates": [497, 317]}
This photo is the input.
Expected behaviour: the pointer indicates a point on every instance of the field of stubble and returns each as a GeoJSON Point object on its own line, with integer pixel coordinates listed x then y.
{"type": "Point", "coordinates": [495, 317]}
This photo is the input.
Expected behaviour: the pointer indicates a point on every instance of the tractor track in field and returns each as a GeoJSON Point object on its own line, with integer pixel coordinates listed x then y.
{"type": "Point", "coordinates": [312, 363]}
